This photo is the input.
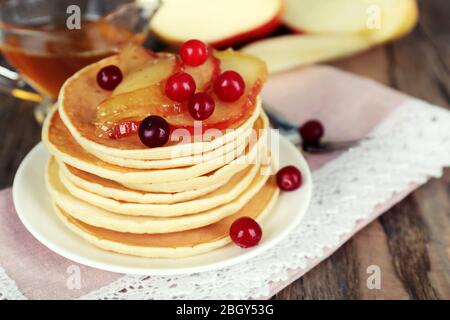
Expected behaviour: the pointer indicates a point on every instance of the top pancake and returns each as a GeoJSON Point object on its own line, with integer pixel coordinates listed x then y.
{"type": "Point", "coordinates": [62, 144]}
{"type": "Point", "coordinates": [78, 101]}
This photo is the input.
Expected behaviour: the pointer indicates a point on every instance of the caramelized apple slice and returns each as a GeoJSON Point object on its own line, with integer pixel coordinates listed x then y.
{"type": "Point", "coordinates": [154, 71]}
{"type": "Point", "coordinates": [133, 57]}
{"type": "Point", "coordinates": [135, 105]}
{"type": "Point", "coordinates": [205, 74]}
{"type": "Point", "coordinates": [152, 100]}
{"type": "Point", "coordinates": [254, 73]}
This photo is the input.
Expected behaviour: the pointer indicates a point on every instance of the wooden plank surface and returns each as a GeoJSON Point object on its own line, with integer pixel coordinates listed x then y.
{"type": "Point", "coordinates": [411, 242]}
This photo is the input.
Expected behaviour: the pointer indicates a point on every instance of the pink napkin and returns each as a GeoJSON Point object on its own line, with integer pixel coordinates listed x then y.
{"type": "Point", "coordinates": [348, 106]}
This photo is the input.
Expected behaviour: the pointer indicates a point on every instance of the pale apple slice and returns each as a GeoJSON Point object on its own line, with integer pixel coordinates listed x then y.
{"type": "Point", "coordinates": [286, 52]}
{"type": "Point", "coordinates": [219, 22]}
{"type": "Point", "coordinates": [397, 19]}
{"type": "Point", "coordinates": [154, 71]}
{"type": "Point", "coordinates": [382, 20]}
{"type": "Point", "coordinates": [327, 16]}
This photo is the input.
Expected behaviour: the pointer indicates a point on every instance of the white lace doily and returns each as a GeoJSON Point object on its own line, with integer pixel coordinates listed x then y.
{"type": "Point", "coordinates": [8, 288]}
{"type": "Point", "coordinates": [410, 146]}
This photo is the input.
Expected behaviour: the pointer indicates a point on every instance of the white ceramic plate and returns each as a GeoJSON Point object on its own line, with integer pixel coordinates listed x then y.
{"type": "Point", "coordinates": [33, 205]}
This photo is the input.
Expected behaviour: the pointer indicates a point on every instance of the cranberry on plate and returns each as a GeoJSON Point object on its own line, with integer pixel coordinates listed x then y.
{"type": "Point", "coordinates": [245, 232]}
{"type": "Point", "coordinates": [289, 178]}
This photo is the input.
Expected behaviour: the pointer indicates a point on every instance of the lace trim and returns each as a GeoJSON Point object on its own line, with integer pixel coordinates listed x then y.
{"type": "Point", "coordinates": [8, 288]}
{"type": "Point", "coordinates": [408, 147]}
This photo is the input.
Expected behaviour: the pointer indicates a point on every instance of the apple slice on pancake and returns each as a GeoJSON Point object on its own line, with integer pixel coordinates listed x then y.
{"type": "Point", "coordinates": [154, 71]}
{"type": "Point", "coordinates": [254, 73]}
{"type": "Point", "coordinates": [134, 57]}
{"type": "Point", "coordinates": [149, 98]}
{"type": "Point", "coordinates": [205, 74]}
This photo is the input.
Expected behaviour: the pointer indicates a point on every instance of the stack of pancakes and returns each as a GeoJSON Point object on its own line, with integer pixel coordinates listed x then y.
{"type": "Point", "coordinates": [173, 201]}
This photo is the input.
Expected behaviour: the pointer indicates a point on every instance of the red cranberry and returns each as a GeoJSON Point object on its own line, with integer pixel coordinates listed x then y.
{"type": "Point", "coordinates": [180, 86]}
{"type": "Point", "coordinates": [289, 178]}
{"type": "Point", "coordinates": [201, 106]}
{"type": "Point", "coordinates": [229, 86]}
{"type": "Point", "coordinates": [311, 132]}
{"type": "Point", "coordinates": [154, 131]}
{"type": "Point", "coordinates": [194, 52]}
{"type": "Point", "coordinates": [245, 232]}
{"type": "Point", "coordinates": [109, 77]}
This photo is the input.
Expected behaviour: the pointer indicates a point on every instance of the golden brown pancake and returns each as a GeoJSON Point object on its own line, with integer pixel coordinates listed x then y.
{"type": "Point", "coordinates": [78, 112]}
{"type": "Point", "coordinates": [224, 194]}
{"type": "Point", "coordinates": [114, 190]}
{"type": "Point", "coordinates": [61, 144]}
{"type": "Point", "coordinates": [217, 177]}
{"type": "Point", "coordinates": [191, 237]}
{"type": "Point", "coordinates": [99, 217]}
{"type": "Point", "coordinates": [101, 187]}
{"type": "Point", "coordinates": [175, 244]}
{"type": "Point", "coordinates": [238, 144]}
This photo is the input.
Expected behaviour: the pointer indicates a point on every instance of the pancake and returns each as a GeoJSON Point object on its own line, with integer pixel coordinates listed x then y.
{"type": "Point", "coordinates": [63, 146]}
{"type": "Point", "coordinates": [238, 144]}
{"type": "Point", "coordinates": [223, 195]}
{"type": "Point", "coordinates": [114, 190]}
{"type": "Point", "coordinates": [100, 186]}
{"type": "Point", "coordinates": [99, 217]}
{"type": "Point", "coordinates": [175, 244]}
{"type": "Point", "coordinates": [78, 112]}
{"type": "Point", "coordinates": [216, 177]}
{"type": "Point", "coordinates": [220, 176]}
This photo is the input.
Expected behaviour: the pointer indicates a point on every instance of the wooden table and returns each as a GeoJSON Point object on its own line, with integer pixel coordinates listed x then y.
{"type": "Point", "coordinates": [410, 242]}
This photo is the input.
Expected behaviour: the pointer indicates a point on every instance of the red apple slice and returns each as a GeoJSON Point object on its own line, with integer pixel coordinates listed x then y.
{"type": "Point", "coordinates": [218, 22]}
